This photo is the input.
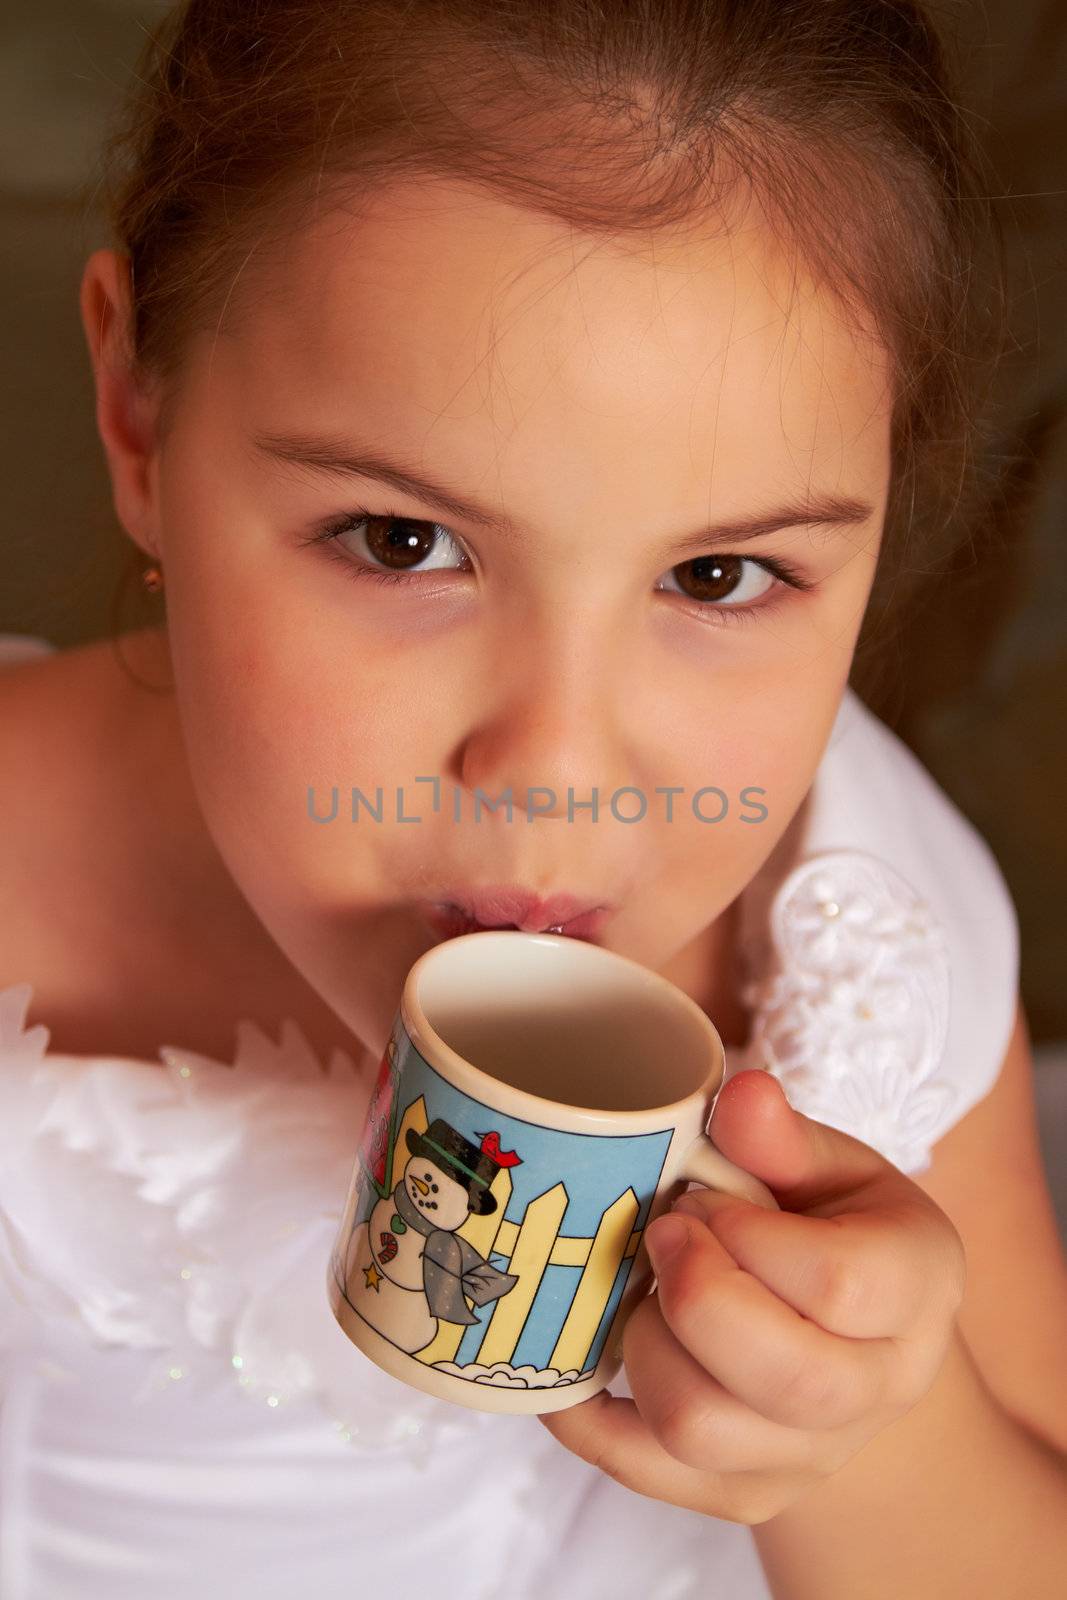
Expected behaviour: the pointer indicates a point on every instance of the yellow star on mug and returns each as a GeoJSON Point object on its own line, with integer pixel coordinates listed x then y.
{"type": "Point", "coordinates": [373, 1277]}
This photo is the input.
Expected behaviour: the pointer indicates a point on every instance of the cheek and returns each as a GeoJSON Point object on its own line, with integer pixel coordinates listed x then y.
{"type": "Point", "coordinates": [276, 695]}
{"type": "Point", "coordinates": [271, 711]}
{"type": "Point", "coordinates": [279, 685]}
{"type": "Point", "coordinates": [761, 747]}
{"type": "Point", "coordinates": [789, 724]}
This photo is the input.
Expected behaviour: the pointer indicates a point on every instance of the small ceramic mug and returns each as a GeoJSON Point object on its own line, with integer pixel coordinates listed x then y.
{"type": "Point", "coordinates": [539, 1101]}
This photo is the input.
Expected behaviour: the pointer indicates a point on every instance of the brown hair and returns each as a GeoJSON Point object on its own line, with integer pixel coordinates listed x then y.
{"type": "Point", "coordinates": [614, 115]}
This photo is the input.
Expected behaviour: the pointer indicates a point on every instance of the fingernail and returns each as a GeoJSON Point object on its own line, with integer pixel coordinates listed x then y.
{"type": "Point", "coordinates": [689, 1204]}
{"type": "Point", "coordinates": [664, 1238]}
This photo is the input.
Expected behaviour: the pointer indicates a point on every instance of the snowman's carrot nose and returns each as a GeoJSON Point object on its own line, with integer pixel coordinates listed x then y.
{"type": "Point", "coordinates": [419, 1184]}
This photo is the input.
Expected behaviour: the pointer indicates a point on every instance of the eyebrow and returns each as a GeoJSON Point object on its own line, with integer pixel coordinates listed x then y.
{"type": "Point", "coordinates": [332, 459]}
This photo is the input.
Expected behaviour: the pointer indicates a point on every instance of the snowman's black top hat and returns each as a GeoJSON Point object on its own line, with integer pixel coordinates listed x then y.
{"type": "Point", "coordinates": [461, 1159]}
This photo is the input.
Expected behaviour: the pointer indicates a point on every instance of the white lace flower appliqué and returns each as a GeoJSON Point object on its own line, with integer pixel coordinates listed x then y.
{"type": "Point", "coordinates": [852, 1014]}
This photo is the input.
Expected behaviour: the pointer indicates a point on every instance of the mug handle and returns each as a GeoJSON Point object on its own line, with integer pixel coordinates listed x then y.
{"type": "Point", "coordinates": [703, 1163]}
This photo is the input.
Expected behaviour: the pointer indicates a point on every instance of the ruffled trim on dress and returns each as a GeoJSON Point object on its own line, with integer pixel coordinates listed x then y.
{"type": "Point", "coordinates": [187, 1207]}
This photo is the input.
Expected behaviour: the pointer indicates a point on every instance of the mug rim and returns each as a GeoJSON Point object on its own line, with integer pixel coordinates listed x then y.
{"type": "Point", "coordinates": [420, 1030]}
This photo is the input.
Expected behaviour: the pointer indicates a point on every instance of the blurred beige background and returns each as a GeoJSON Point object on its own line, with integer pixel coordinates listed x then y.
{"type": "Point", "coordinates": [979, 680]}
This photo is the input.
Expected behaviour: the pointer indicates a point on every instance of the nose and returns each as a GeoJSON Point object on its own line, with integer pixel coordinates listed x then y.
{"type": "Point", "coordinates": [555, 716]}
{"type": "Point", "coordinates": [423, 1188]}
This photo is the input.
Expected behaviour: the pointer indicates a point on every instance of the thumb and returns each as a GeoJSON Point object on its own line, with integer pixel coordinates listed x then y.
{"type": "Point", "coordinates": [804, 1162]}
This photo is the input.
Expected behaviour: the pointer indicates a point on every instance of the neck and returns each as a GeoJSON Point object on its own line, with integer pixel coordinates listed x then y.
{"type": "Point", "coordinates": [707, 971]}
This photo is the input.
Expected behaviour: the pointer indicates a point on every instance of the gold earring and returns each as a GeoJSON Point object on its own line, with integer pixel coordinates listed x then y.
{"type": "Point", "coordinates": [152, 578]}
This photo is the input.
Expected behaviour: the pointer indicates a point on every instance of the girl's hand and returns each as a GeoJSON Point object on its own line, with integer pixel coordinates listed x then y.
{"type": "Point", "coordinates": [777, 1344]}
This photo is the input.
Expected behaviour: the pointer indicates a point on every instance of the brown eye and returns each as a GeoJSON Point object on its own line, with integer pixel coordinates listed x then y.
{"type": "Point", "coordinates": [710, 577]}
{"type": "Point", "coordinates": [722, 578]}
{"type": "Point", "coordinates": [391, 547]}
{"type": "Point", "coordinates": [399, 541]}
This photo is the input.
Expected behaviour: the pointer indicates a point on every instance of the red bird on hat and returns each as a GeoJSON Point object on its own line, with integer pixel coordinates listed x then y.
{"type": "Point", "coordinates": [491, 1148]}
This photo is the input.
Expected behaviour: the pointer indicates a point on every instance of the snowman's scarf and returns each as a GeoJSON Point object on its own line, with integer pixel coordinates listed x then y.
{"type": "Point", "coordinates": [452, 1267]}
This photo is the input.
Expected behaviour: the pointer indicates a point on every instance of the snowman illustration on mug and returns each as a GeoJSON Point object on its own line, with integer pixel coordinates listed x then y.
{"type": "Point", "coordinates": [406, 1265]}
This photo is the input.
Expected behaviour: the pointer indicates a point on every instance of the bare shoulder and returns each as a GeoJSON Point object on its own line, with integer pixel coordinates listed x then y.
{"type": "Point", "coordinates": [71, 726]}
{"type": "Point", "coordinates": [117, 906]}
{"type": "Point", "coordinates": [52, 710]}
{"type": "Point", "coordinates": [47, 701]}
{"type": "Point", "coordinates": [61, 836]}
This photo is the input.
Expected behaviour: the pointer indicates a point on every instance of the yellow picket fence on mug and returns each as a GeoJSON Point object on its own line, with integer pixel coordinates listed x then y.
{"type": "Point", "coordinates": [529, 1247]}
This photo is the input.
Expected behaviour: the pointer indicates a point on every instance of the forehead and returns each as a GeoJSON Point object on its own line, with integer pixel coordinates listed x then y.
{"type": "Point", "coordinates": [436, 308]}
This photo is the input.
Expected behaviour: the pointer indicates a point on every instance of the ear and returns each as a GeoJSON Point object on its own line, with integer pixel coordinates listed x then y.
{"type": "Point", "coordinates": [125, 414]}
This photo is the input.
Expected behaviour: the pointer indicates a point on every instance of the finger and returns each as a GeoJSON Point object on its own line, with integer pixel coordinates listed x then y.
{"type": "Point", "coordinates": [609, 1432]}
{"type": "Point", "coordinates": [696, 1419]}
{"type": "Point", "coordinates": [878, 1271]}
{"type": "Point", "coordinates": [804, 1162]}
{"type": "Point", "coordinates": [768, 1355]}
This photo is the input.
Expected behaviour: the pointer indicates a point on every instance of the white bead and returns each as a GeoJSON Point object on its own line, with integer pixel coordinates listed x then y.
{"type": "Point", "coordinates": [830, 908]}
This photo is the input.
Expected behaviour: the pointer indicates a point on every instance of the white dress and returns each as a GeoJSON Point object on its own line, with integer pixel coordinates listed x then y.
{"type": "Point", "coordinates": [181, 1417]}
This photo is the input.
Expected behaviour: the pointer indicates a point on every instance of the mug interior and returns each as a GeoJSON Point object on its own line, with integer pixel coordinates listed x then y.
{"type": "Point", "coordinates": [565, 1020]}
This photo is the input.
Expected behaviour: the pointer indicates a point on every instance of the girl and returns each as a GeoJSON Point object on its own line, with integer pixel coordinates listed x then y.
{"type": "Point", "coordinates": [528, 400]}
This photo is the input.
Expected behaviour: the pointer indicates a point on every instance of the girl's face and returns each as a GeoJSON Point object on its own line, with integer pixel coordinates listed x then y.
{"type": "Point", "coordinates": [547, 440]}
